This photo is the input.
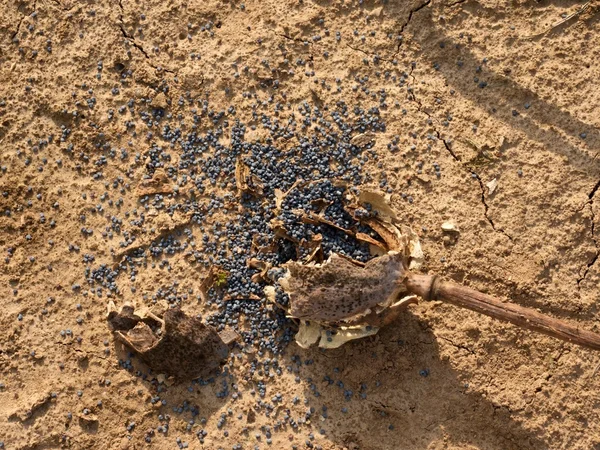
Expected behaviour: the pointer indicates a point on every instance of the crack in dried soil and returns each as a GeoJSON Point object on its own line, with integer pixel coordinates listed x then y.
{"type": "Point", "coordinates": [486, 206]}
{"type": "Point", "coordinates": [18, 27]}
{"type": "Point", "coordinates": [132, 40]}
{"type": "Point", "coordinates": [458, 346]}
{"type": "Point", "coordinates": [21, 21]}
{"type": "Point", "coordinates": [446, 143]}
{"type": "Point", "coordinates": [410, 15]}
{"type": "Point", "coordinates": [302, 41]}
{"type": "Point", "coordinates": [590, 263]}
{"type": "Point", "coordinates": [448, 147]}
{"type": "Point", "coordinates": [364, 52]}
{"type": "Point", "coordinates": [63, 7]}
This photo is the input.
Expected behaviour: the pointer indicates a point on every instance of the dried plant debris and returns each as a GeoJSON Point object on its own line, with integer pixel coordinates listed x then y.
{"type": "Point", "coordinates": [384, 221]}
{"type": "Point", "coordinates": [379, 202]}
{"type": "Point", "coordinates": [311, 216]}
{"type": "Point", "coordinates": [363, 139]}
{"type": "Point", "coordinates": [159, 183]}
{"type": "Point", "coordinates": [339, 290]}
{"type": "Point", "coordinates": [450, 227]}
{"type": "Point", "coordinates": [309, 333]}
{"type": "Point", "coordinates": [339, 300]}
{"type": "Point", "coordinates": [492, 186]}
{"type": "Point", "coordinates": [276, 194]}
{"type": "Point", "coordinates": [207, 282]}
{"type": "Point", "coordinates": [334, 336]}
{"type": "Point", "coordinates": [176, 345]}
{"type": "Point", "coordinates": [162, 225]}
{"type": "Point", "coordinates": [343, 299]}
{"type": "Point", "coordinates": [264, 268]}
{"type": "Point", "coordinates": [280, 195]}
{"type": "Point", "coordinates": [245, 181]}
{"type": "Point", "coordinates": [376, 247]}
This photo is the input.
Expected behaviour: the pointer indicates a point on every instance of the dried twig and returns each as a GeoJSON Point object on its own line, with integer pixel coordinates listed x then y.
{"type": "Point", "coordinates": [560, 22]}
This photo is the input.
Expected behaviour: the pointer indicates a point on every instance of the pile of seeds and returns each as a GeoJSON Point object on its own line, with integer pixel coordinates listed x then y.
{"type": "Point", "coordinates": [304, 165]}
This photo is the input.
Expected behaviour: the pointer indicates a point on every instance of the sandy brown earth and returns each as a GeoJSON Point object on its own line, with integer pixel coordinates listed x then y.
{"type": "Point", "coordinates": [487, 95]}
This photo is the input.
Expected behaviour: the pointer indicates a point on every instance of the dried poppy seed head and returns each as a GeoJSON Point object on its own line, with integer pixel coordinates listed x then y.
{"type": "Point", "coordinates": [339, 289]}
{"type": "Point", "coordinates": [177, 345]}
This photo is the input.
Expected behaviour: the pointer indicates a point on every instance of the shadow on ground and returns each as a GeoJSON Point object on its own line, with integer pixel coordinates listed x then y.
{"type": "Point", "coordinates": [542, 122]}
{"type": "Point", "coordinates": [396, 387]}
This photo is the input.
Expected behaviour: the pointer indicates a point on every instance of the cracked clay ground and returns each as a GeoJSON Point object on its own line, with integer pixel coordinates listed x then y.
{"type": "Point", "coordinates": [475, 89]}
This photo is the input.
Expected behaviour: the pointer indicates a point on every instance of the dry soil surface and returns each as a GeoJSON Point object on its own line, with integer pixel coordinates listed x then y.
{"type": "Point", "coordinates": [483, 90]}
